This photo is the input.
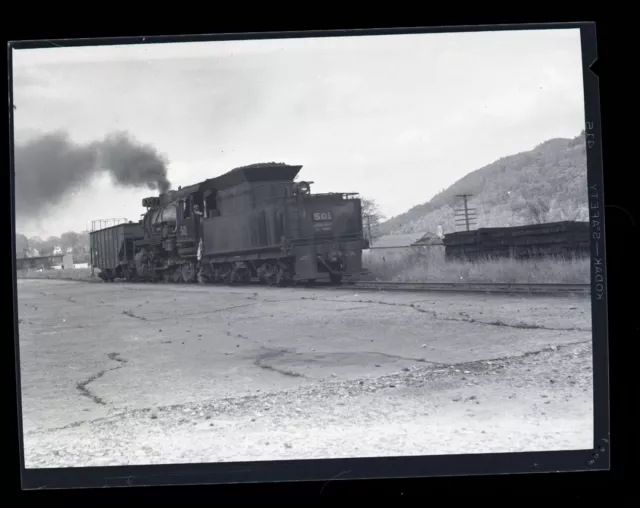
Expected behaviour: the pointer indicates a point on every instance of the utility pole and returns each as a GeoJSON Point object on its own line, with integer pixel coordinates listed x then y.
{"type": "Point", "coordinates": [465, 217]}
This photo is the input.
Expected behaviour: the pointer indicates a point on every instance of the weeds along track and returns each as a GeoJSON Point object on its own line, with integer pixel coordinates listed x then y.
{"type": "Point", "coordinates": [479, 287]}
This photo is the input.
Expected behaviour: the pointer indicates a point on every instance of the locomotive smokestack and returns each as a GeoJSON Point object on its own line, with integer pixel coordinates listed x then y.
{"type": "Point", "coordinates": [50, 167]}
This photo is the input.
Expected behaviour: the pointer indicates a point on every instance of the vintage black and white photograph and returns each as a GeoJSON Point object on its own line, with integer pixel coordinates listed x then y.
{"type": "Point", "coordinates": [303, 248]}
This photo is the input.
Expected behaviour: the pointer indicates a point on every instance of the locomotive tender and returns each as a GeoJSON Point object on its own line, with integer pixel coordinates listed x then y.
{"type": "Point", "coordinates": [254, 223]}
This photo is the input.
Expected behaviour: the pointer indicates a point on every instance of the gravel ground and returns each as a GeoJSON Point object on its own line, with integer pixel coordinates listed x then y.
{"type": "Point", "coordinates": [415, 375]}
{"type": "Point", "coordinates": [540, 401]}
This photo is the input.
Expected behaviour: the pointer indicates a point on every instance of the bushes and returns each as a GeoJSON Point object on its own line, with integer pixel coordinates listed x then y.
{"type": "Point", "coordinates": [428, 264]}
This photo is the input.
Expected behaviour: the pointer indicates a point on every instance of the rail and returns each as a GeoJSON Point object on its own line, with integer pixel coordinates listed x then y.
{"type": "Point", "coordinates": [461, 287]}
{"type": "Point", "coordinates": [477, 287]}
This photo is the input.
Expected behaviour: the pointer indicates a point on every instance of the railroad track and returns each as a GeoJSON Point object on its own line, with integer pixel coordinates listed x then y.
{"type": "Point", "coordinates": [460, 287]}
{"type": "Point", "coordinates": [476, 287]}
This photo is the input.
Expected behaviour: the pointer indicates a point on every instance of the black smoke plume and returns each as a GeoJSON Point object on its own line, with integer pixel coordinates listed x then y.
{"type": "Point", "coordinates": [132, 164]}
{"type": "Point", "coordinates": [51, 167]}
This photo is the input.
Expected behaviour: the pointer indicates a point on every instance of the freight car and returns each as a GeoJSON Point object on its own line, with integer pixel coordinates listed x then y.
{"type": "Point", "coordinates": [252, 224]}
{"type": "Point", "coordinates": [112, 250]}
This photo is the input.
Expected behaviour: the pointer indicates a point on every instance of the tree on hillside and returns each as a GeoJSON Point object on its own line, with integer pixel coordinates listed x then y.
{"type": "Point", "coordinates": [534, 210]}
{"type": "Point", "coordinates": [371, 218]}
{"type": "Point", "coordinates": [538, 210]}
{"type": "Point", "coordinates": [22, 246]}
{"type": "Point", "coordinates": [69, 240]}
{"type": "Point", "coordinates": [568, 209]}
{"type": "Point", "coordinates": [45, 247]}
{"type": "Point", "coordinates": [35, 243]}
{"type": "Point", "coordinates": [578, 140]}
{"type": "Point", "coordinates": [81, 248]}
{"type": "Point", "coordinates": [77, 242]}
{"type": "Point", "coordinates": [83, 241]}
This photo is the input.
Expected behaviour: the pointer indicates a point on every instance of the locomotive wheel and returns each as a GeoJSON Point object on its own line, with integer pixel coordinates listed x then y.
{"type": "Point", "coordinates": [267, 275]}
{"type": "Point", "coordinates": [205, 273]}
{"type": "Point", "coordinates": [282, 279]}
{"type": "Point", "coordinates": [176, 275]}
{"type": "Point", "coordinates": [276, 278]}
{"type": "Point", "coordinates": [336, 279]}
{"type": "Point", "coordinates": [188, 272]}
{"type": "Point", "coordinates": [243, 276]}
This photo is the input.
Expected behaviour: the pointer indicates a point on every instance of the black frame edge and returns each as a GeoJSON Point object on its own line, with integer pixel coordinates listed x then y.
{"type": "Point", "coordinates": [361, 468]}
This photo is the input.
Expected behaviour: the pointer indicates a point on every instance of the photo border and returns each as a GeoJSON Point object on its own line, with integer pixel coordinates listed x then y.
{"type": "Point", "coordinates": [595, 459]}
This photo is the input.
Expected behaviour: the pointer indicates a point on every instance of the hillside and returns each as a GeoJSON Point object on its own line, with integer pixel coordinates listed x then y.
{"type": "Point", "coordinates": [548, 183]}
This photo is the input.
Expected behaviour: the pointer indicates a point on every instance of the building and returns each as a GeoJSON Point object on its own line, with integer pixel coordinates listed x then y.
{"type": "Point", "coordinates": [396, 241]}
{"type": "Point", "coordinates": [38, 263]}
{"type": "Point", "coordinates": [427, 240]}
{"type": "Point", "coordinates": [407, 240]}
{"type": "Point", "coordinates": [67, 261]}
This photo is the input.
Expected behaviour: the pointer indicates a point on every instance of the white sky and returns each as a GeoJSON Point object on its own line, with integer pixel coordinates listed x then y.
{"type": "Point", "coordinates": [396, 118]}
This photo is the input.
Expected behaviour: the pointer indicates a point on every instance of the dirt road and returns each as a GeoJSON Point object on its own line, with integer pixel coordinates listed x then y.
{"type": "Point", "coordinates": [135, 374]}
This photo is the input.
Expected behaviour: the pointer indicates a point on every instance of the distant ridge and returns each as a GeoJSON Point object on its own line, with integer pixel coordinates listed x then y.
{"type": "Point", "coordinates": [548, 183]}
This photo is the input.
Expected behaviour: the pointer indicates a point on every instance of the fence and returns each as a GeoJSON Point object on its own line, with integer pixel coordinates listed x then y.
{"type": "Point", "coordinates": [558, 239]}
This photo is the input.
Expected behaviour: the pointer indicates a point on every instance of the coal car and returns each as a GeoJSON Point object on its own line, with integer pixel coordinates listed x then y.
{"type": "Point", "coordinates": [252, 224]}
{"type": "Point", "coordinates": [112, 250]}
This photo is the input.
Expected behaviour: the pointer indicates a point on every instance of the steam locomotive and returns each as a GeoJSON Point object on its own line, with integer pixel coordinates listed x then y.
{"type": "Point", "coordinates": [251, 224]}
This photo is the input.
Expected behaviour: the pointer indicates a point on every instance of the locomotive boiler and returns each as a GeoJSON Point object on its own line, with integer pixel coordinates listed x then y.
{"type": "Point", "coordinates": [254, 223]}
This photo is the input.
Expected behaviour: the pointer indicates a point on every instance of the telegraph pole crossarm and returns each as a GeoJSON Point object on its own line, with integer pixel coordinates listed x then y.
{"type": "Point", "coordinates": [466, 216]}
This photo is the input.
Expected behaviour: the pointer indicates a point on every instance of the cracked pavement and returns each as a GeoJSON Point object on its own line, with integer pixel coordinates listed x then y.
{"type": "Point", "coordinates": [129, 373]}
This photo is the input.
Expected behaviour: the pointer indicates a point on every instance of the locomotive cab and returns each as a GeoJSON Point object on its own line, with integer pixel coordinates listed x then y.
{"type": "Point", "coordinates": [189, 224]}
{"type": "Point", "coordinates": [173, 230]}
